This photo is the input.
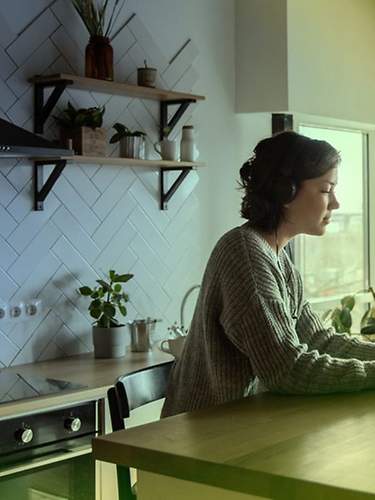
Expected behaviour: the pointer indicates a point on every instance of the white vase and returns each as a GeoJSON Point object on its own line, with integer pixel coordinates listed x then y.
{"type": "Point", "coordinates": [188, 149]}
{"type": "Point", "coordinates": [110, 342]}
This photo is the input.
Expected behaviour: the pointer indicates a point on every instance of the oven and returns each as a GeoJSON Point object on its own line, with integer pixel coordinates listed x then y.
{"type": "Point", "coordinates": [46, 454]}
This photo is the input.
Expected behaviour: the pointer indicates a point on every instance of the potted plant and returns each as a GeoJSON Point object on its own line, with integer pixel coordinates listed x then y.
{"type": "Point", "coordinates": [83, 127]}
{"type": "Point", "coordinates": [368, 319]}
{"type": "Point", "coordinates": [146, 76]}
{"type": "Point", "coordinates": [99, 52]}
{"type": "Point", "coordinates": [108, 299]}
{"type": "Point", "coordinates": [132, 144]}
{"type": "Point", "coordinates": [341, 317]}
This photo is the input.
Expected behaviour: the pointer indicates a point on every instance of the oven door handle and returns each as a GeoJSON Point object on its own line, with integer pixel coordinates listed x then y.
{"type": "Point", "coordinates": [45, 460]}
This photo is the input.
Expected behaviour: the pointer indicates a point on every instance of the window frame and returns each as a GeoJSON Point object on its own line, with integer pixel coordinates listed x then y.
{"type": "Point", "coordinates": [368, 134]}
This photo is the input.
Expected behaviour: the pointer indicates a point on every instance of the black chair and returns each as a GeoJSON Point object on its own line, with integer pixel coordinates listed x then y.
{"type": "Point", "coordinates": [132, 391]}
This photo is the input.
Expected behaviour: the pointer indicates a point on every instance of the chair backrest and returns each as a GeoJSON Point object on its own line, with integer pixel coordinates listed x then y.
{"type": "Point", "coordinates": [132, 391]}
{"type": "Point", "coordinates": [137, 389]}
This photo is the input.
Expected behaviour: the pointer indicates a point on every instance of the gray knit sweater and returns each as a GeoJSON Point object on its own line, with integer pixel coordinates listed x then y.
{"type": "Point", "coordinates": [251, 324]}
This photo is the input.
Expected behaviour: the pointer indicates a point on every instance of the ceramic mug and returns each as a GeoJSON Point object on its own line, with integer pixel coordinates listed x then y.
{"type": "Point", "coordinates": [173, 346]}
{"type": "Point", "coordinates": [168, 149]}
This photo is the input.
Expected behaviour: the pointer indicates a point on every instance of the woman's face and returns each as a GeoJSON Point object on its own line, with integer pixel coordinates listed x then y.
{"type": "Point", "coordinates": [310, 211]}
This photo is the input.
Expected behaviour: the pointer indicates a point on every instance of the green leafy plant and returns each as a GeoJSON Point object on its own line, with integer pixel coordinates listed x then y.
{"type": "Point", "coordinates": [107, 297]}
{"type": "Point", "coordinates": [72, 118]}
{"type": "Point", "coordinates": [368, 319]}
{"type": "Point", "coordinates": [123, 131]}
{"type": "Point", "coordinates": [94, 16]}
{"type": "Point", "coordinates": [166, 131]}
{"type": "Point", "coordinates": [341, 317]}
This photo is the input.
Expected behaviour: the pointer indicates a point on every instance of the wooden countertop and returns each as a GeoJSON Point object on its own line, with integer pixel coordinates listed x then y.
{"type": "Point", "coordinates": [97, 374]}
{"type": "Point", "coordinates": [284, 447]}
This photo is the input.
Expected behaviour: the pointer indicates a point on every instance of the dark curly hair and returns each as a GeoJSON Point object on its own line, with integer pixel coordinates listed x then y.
{"type": "Point", "coordinates": [274, 173]}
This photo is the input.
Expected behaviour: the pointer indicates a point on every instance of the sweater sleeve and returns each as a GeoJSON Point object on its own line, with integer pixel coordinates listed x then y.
{"type": "Point", "coordinates": [256, 318]}
{"type": "Point", "coordinates": [267, 336]}
{"type": "Point", "coordinates": [311, 331]}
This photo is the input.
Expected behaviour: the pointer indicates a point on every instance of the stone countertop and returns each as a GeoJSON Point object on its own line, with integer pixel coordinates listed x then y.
{"type": "Point", "coordinates": [97, 374]}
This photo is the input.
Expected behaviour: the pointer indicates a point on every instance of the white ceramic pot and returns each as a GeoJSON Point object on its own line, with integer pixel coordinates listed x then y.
{"type": "Point", "coordinates": [110, 342]}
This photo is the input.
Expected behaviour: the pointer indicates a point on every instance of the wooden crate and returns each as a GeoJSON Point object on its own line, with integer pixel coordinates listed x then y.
{"type": "Point", "coordinates": [87, 141]}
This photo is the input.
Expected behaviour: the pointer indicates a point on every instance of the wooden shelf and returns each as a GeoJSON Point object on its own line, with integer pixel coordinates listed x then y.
{"type": "Point", "coordinates": [130, 162]}
{"type": "Point", "coordinates": [44, 105]}
{"type": "Point", "coordinates": [80, 82]}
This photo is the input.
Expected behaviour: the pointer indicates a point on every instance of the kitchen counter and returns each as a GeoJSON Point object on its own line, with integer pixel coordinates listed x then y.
{"type": "Point", "coordinates": [97, 374]}
{"type": "Point", "coordinates": [271, 446]}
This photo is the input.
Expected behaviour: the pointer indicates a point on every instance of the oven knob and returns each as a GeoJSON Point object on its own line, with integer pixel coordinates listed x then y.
{"type": "Point", "coordinates": [24, 435]}
{"type": "Point", "coordinates": [73, 424]}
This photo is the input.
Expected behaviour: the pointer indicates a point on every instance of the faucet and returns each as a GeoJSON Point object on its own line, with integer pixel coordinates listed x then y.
{"type": "Point", "coordinates": [182, 309]}
{"type": "Point", "coordinates": [179, 330]}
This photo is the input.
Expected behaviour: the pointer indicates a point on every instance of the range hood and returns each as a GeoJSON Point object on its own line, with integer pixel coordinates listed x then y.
{"type": "Point", "coordinates": [16, 142]}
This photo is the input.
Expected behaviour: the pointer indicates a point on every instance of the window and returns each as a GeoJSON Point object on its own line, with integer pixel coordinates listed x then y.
{"type": "Point", "coordinates": [337, 263]}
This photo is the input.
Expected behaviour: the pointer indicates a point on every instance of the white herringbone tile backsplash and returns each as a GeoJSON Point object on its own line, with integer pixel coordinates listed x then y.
{"type": "Point", "coordinates": [97, 217]}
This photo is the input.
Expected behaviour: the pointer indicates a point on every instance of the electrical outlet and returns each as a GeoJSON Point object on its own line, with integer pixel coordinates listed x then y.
{"type": "Point", "coordinates": [16, 311]}
{"type": "Point", "coordinates": [33, 307]}
{"type": "Point", "coordinates": [23, 311]}
{"type": "Point", "coordinates": [4, 312]}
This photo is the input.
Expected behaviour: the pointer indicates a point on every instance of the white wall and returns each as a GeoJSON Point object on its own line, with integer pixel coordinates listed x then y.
{"type": "Point", "coordinates": [331, 61]}
{"type": "Point", "coordinates": [307, 57]}
{"type": "Point", "coordinates": [261, 56]}
{"type": "Point", "coordinates": [102, 216]}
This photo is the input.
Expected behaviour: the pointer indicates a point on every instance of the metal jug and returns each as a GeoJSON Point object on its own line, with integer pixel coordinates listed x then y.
{"type": "Point", "coordinates": [140, 333]}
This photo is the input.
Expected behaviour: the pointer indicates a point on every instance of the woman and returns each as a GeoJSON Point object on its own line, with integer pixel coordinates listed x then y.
{"type": "Point", "coordinates": [251, 324]}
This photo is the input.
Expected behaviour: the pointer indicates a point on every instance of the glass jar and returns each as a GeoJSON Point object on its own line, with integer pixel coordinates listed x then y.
{"type": "Point", "coordinates": [99, 58]}
{"type": "Point", "coordinates": [188, 149]}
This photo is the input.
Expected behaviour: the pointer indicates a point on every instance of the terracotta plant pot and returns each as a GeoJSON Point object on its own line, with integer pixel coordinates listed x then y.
{"type": "Point", "coordinates": [99, 58]}
{"type": "Point", "coordinates": [110, 342]}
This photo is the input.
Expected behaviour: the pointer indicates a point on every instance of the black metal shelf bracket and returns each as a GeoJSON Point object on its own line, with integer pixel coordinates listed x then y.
{"type": "Point", "coordinates": [165, 196]}
{"type": "Point", "coordinates": [166, 126]}
{"type": "Point", "coordinates": [42, 109]}
{"type": "Point", "coordinates": [41, 190]}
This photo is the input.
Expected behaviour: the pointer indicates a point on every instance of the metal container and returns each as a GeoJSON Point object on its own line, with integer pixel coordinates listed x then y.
{"type": "Point", "coordinates": [140, 334]}
{"type": "Point", "coordinates": [132, 147]}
